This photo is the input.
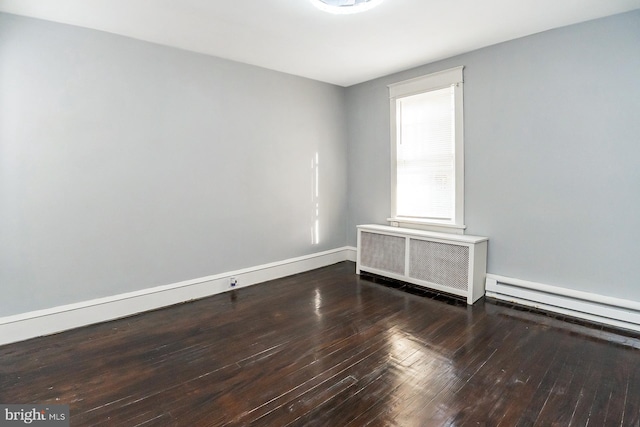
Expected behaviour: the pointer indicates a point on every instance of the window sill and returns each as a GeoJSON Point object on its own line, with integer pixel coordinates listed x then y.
{"type": "Point", "coordinates": [426, 225]}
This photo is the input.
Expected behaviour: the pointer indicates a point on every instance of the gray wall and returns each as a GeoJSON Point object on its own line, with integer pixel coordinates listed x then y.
{"type": "Point", "coordinates": [126, 165]}
{"type": "Point", "coordinates": [552, 152]}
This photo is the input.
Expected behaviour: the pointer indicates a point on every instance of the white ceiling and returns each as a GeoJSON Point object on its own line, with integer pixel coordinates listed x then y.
{"type": "Point", "coordinates": [294, 37]}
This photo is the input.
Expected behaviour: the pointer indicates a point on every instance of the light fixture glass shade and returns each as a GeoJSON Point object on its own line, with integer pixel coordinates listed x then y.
{"type": "Point", "coordinates": [345, 6]}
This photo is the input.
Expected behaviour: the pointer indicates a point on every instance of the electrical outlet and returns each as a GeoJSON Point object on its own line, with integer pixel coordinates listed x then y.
{"type": "Point", "coordinates": [233, 281]}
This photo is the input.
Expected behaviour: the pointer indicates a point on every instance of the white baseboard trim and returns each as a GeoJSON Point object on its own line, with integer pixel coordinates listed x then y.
{"type": "Point", "coordinates": [352, 253]}
{"type": "Point", "coordinates": [33, 324]}
{"type": "Point", "coordinates": [616, 312]}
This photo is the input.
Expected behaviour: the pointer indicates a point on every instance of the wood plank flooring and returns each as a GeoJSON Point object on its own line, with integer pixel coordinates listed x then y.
{"type": "Point", "coordinates": [329, 348]}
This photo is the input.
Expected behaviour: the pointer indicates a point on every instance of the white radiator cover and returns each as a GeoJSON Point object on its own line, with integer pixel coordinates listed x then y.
{"type": "Point", "coordinates": [451, 263]}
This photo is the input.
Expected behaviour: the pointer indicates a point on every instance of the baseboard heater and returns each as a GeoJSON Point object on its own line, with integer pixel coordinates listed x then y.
{"type": "Point", "coordinates": [452, 263]}
{"type": "Point", "coordinates": [597, 308]}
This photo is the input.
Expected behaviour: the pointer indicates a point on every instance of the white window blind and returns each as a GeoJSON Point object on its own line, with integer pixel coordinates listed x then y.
{"type": "Point", "coordinates": [427, 164]}
{"type": "Point", "coordinates": [425, 155]}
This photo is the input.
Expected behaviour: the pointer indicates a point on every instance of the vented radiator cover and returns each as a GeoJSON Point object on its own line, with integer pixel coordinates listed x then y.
{"type": "Point", "coordinates": [450, 263]}
{"type": "Point", "coordinates": [383, 252]}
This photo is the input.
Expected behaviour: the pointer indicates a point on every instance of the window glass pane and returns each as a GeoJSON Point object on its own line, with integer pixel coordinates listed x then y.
{"type": "Point", "coordinates": [426, 155]}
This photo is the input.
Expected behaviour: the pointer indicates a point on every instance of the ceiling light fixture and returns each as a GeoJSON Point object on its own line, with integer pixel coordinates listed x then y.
{"type": "Point", "coordinates": [345, 6]}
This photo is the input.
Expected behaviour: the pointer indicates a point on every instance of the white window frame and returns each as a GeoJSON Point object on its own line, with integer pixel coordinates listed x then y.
{"type": "Point", "coordinates": [430, 82]}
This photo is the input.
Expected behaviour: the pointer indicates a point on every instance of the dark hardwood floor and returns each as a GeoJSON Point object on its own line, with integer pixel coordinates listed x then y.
{"type": "Point", "coordinates": [329, 348]}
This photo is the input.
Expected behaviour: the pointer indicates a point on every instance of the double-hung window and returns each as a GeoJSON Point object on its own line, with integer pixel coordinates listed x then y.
{"type": "Point", "coordinates": [427, 159]}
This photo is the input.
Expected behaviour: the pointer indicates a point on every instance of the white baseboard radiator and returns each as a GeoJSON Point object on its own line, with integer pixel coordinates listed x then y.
{"type": "Point", "coordinates": [452, 263]}
{"type": "Point", "coordinates": [597, 308]}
